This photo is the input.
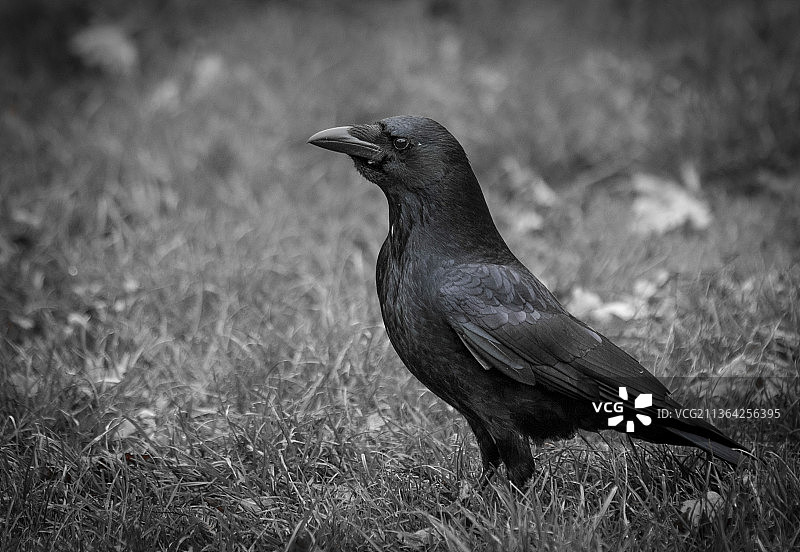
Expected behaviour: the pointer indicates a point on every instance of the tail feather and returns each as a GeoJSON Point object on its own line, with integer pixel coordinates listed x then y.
{"type": "Point", "coordinates": [720, 446]}
{"type": "Point", "coordinates": [693, 432]}
{"type": "Point", "coordinates": [696, 433]}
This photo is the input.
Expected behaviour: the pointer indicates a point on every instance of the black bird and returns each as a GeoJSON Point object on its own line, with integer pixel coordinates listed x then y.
{"type": "Point", "coordinates": [476, 327]}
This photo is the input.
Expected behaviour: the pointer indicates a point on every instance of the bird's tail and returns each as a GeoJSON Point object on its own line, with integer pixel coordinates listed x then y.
{"type": "Point", "coordinates": [694, 432]}
{"type": "Point", "coordinates": [716, 443]}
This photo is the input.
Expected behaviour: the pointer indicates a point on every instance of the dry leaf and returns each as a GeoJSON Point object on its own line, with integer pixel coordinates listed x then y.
{"type": "Point", "coordinates": [124, 429]}
{"type": "Point", "coordinates": [662, 205]}
{"type": "Point", "coordinates": [78, 319]}
{"type": "Point", "coordinates": [526, 182]}
{"type": "Point", "coordinates": [146, 419]}
{"type": "Point", "coordinates": [165, 96]}
{"type": "Point", "coordinates": [344, 494]}
{"type": "Point", "coordinates": [23, 322]}
{"type": "Point", "coordinates": [375, 422]}
{"type": "Point", "coordinates": [27, 218]}
{"type": "Point", "coordinates": [645, 289]}
{"type": "Point", "coordinates": [208, 71]}
{"type": "Point", "coordinates": [418, 540]}
{"type": "Point", "coordinates": [465, 490]}
{"type": "Point", "coordinates": [587, 304]}
{"type": "Point", "coordinates": [106, 47]}
{"type": "Point", "coordinates": [130, 284]}
{"type": "Point", "coordinates": [256, 505]}
{"type": "Point", "coordinates": [700, 509]}
{"type": "Point", "coordinates": [527, 221]}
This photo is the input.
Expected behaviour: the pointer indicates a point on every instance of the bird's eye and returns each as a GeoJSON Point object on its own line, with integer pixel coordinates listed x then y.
{"type": "Point", "coordinates": [400, 143]}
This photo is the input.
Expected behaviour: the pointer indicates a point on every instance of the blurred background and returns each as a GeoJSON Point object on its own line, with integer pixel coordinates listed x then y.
{"type": "Point", "coordinates": [155, 184]}
{"type": "Point", "coordinates": [178, 268]}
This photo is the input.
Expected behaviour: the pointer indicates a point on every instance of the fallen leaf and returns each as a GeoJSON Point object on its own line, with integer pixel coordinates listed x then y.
{"type": "Point", "coordinates": [344, 494]}
{"type": "Point", "coordinates": [662, 205]}
{"type": "Point", "coordinates": [130, 284]}
{"type": "Point", "coordinates": [124, 429]}
{"type": "Point", "coordinates": [256, 505]}
{"type": "Point", "coordinates": [375, 422]}
{"type": "Point", "coordinates": [417, 540]}
{"type": "Point", "coordinates": [21, 216]}
{"type": "Point", "coordinates": [106, 47]}
{"type": "Point", "coordinates": [108, 375]}
{"type": "Point", "coordinates": [147, 421]}
{"type": "Point", "coordinates": [526, 182]}
{"type": "Point", "coordinates": [465, 490]}
{"type": "Point", "coordinates": [583, 302]}
{"type": "Point", "coordinates": [208, 71]}
{"type": "Point", "coordinates": [165, 96]}
{"type": "Point", "coordinates": [707, 508]}
{"type": "Point", "coordinates": [615, 309]}
{"type": "Point", "coordinates": [527, 221]}
{"type": "Point", "coordinates": [23, 322]}
{"type": "Point", "coordinates": [108, 379]}
{"type": "Point", "coordinates": [78, 319]}
{"type": "Point", "coordinates": [645, 289]}
{"type": "Point", "coordinates": [587, 304]}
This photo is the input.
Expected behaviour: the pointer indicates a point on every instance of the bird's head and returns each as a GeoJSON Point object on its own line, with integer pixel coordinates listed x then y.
{"type": "Point", "coordinates": [401, 154]}
{"type": "Point", "coordinates": [427, 179]}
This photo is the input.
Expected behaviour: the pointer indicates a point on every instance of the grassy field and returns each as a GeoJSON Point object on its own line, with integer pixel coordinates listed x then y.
{"type": "Point", "coordinates": [192, 355]}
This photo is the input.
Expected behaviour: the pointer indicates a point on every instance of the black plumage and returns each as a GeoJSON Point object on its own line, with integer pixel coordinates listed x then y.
{"type": "Point", "coordinates": [474, 325]}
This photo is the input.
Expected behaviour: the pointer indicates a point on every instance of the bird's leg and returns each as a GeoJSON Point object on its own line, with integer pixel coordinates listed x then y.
{"type": "Point", "coordinates": [490, 454]}
{"type": "Point", "coordinates": [516, 453]}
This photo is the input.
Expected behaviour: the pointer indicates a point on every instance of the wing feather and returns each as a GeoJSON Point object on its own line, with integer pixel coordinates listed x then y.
{"type": "Point", "coordinates": [510, 322]}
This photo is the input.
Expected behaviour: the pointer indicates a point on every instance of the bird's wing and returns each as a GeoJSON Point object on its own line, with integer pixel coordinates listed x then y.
{"type": "Point", "coordinates": [510, 322]}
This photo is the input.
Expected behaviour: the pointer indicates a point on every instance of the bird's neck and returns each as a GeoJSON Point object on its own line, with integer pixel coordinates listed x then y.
{"type": "Point", "coordinates": [454, 224]}
{"type": "Point", "coordinates": [404, 220]}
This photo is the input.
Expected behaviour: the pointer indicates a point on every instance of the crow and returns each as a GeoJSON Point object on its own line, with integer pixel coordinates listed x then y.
{"type": "Point", "coordinates": [474, 325]}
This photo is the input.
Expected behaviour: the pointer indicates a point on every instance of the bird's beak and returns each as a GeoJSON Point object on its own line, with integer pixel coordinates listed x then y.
{"type": "Point", "coordinates": [339, 139]}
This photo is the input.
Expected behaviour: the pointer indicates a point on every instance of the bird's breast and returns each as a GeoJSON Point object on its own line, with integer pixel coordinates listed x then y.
{"type": "Point", "coordinates": [408, 306]}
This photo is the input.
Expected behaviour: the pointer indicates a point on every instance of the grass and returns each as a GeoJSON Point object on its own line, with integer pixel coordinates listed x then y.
{"type": "Point", "coordinates": [192, 357]}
